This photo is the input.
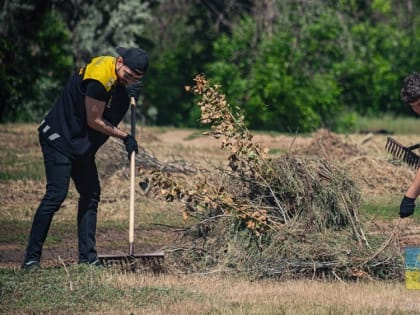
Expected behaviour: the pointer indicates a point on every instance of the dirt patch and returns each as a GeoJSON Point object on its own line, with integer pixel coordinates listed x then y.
{"type": "Point", "coordinates": [61, 246]}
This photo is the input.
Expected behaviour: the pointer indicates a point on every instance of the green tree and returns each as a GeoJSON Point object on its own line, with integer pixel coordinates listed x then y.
{"type": "Point", "coordinates": [290, 65]}
{"type": "Point", "coordinates": [284, 81]}
{"type": "Point", "coordinates": [101, 26]}
{"type": "Point", "coordinates": [181, 45]}
{"type": "Point", "coordinates": [319, 60]}
{"type": "Point", "coordinates": [35, 58]}
{"type": "Point", "coordinates": [384, 52]}
{"type": "Point", "coordinates": [183, 33]}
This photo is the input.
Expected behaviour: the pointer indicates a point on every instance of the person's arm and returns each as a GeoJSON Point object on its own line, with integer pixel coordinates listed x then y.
{"type": "Point", "coordinates": [95, 102]}
{"type": "Point", "coordinates": [94, 111]}
{"type": "Point", "coordinates": [414, 189]}
{"type": "Point", "coordinates": [408, 205]}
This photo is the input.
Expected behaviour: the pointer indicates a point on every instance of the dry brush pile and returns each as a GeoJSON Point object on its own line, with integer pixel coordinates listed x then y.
{"type": "Point", "coordinates": [289, 217]}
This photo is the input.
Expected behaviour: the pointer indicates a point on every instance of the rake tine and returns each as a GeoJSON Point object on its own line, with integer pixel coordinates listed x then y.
{"type": "Point", "coordinates": [389, 145]}
{"type": "Point", "coordinates": [409, 159]}
{"type": "Point", "coordinates": [415, 161]}
{"type": "Point", "coordinates": [398, 152]}
{"type": "Point", "coordinates": [412, 159]}
{"type": "Point", "coordinates": [401, 153]}
{"type": "Point", "coordinates": [394, 149]}
{"type": "Point", "coordinates": [406, 158]}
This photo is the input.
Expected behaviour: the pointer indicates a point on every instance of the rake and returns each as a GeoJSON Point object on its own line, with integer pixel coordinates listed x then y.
{"type": "Point", "coordinates": [403, 153]}
{"type": "Point", "coordinates": [131, 261]}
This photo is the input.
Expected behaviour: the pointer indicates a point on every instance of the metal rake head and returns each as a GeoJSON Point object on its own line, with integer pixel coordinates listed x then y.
{"type": "Point", "coordinates": [402, 152]}
{"type": "Point", "coordinates": [153, 262]}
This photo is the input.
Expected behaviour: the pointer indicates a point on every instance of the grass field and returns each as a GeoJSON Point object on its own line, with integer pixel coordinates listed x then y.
{"type": "Point", "coordinates": [64, 287]}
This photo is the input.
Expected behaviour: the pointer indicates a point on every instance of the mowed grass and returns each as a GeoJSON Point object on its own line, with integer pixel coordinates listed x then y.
{"type": "Point", "coordinates": [20, 153]}
{"type": "Point", "coordinates": [88, 290]}
{"type": "Point", "coordinates": [384, 207]}
{"type": "Point", "coordinates": [389, 123]}
{"type": "Point", "coordinates": [23, 167]}
{"type": "Point", "coordinates": [79, 289]}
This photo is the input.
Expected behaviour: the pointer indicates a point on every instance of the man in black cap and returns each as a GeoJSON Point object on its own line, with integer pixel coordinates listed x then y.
{"type": "Point", "coordinates": [86, 114]}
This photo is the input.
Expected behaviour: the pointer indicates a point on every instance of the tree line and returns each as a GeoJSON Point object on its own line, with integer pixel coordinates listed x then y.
{"type": "Point", "coordinates": [289, 65]}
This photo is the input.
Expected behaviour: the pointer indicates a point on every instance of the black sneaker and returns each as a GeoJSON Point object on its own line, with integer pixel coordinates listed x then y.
{"type": "Point", "coordinates": [96, 263]}
{"type": "Point", "coordinates": [31, 266]}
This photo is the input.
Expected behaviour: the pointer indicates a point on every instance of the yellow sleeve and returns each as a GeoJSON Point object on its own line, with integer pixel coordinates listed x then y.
{"type": "Point", "coordinates": [102, 69]}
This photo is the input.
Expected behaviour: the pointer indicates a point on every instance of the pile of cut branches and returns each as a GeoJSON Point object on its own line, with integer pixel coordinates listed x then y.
{"type": "Point", "coordinates": [294, 216]}
{"type": "Point", "coordinates": [113, 157]}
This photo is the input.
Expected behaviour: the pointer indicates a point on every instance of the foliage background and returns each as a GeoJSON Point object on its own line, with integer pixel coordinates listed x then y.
{"type": "Point", "coordinates": [291, 66]}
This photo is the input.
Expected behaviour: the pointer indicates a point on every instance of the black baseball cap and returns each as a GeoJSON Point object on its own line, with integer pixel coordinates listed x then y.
{"type": "Point", "coordinates": [134, 58]}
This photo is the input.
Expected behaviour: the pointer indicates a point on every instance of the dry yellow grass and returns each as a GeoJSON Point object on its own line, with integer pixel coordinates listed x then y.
{"type": "Point", "coordinates": [208, 294]}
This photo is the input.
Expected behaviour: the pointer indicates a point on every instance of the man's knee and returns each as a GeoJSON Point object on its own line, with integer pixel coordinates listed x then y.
{"type": "Point", "coordinates": [90, 197]}
{"type": "Point", "coordinates": [55, 196]}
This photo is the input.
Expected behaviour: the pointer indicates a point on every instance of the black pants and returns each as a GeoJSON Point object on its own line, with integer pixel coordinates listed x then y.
{"type": "Point", "coordinates": [59, 169]}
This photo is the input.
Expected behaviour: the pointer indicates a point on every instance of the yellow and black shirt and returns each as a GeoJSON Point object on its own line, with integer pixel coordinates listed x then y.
{"type": "Point", "coordinates": [65, 126]}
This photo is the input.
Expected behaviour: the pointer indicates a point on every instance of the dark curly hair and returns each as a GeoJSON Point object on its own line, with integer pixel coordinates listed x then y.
{"type": "Point", "coordinates": [411, 88]}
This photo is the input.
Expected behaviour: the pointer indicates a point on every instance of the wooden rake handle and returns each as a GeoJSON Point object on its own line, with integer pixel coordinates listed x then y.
{"type": "Point", "coordinates": [132, 179]}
